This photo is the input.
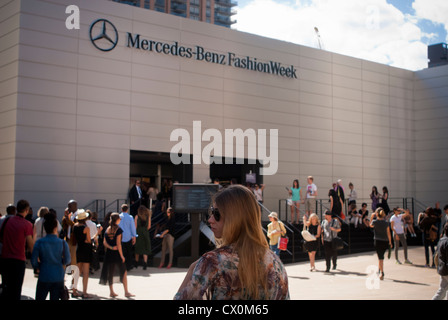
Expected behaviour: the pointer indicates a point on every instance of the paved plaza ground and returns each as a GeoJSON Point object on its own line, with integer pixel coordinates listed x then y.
{"type": "Point", "coordinates": [354, 279]}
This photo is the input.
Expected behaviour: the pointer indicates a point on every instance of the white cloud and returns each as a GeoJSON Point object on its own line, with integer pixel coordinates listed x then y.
{"type": "Point", "coordinates": [434, 10]}
{"type": "Point", "coordinates": [372, 30]}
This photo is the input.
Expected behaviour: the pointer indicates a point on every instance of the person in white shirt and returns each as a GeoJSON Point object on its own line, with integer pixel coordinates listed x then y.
{"type": "Point", "coordinates": [352, 195]}
{"type": "Point", "coordinates": [311, 194]}
{"type": "Point", "coordinates": [259, 192]}
{"type": "Point", "coordinates": [397, 226]}
{"type": "Point", "coordinates": [38, 229]}
{"type": "Point", "coordinates": [92, 227]}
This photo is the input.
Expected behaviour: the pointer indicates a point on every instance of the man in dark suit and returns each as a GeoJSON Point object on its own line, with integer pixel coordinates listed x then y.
{"type": "Point", "coordinates": [135, 197]}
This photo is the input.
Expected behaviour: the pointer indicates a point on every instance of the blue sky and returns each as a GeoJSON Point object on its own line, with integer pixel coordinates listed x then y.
{"type": "Point", "coordinates": [427, 25]}
{"type": "Point", "coordinates": [393, 32]}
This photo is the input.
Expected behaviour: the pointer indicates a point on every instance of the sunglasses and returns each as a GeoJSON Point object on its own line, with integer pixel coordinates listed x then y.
{"type": "Point", "coordinates": [215, 213]}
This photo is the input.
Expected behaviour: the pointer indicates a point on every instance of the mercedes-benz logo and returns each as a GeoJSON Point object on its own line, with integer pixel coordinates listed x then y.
{"type": "Point", "coordinates": [103, 35]}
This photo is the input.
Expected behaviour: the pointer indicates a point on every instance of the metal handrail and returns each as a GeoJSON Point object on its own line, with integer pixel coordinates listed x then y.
{"type": "Point", "coordinates": [95, 206]}
{"type": "Point", "coordinates": [117, 203]}
{"type": "Point", "coordinates": [320, 208]}
{"type": "Point", "coordinates": [416, 207]}
{"type": "Point", "coordinates": [99, 205]}
{"type": "Point", "coordinates": [301, 211]}
{"type": "Point", "coordinates": [156, 243]}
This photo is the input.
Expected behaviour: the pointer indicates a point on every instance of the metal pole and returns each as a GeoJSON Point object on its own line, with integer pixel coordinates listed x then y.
{"type": "Point", "coordinates": [279, 206]}
{"type": "Point", "coordinates": [413, 208]}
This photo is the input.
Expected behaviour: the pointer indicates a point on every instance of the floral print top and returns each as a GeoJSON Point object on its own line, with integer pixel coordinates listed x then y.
{"type": "Point", "coordinates": [215, 277]}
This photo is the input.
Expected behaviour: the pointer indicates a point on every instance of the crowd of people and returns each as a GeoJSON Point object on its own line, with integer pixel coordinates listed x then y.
{"type": "Point", "coordinates": [55, 246]}
{"type": "Point", "coordinates": [390, 227]}
{"type": "Point", "coordinates": [340, 200]}
{"type": "Point", "coordinates": [73, 246]}
{"type": "Point", "coordinates": [234, 219]}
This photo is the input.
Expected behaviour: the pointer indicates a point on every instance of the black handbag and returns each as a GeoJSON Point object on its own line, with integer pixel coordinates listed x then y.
{"type": "Point", "coordinates": [304, 245]}
{"type": "Point", "coordinates": [64, 291]}
{"type": "Point", "coordinates": [308, 246]}
{"type": "Point", "coordinates": [337, 243]}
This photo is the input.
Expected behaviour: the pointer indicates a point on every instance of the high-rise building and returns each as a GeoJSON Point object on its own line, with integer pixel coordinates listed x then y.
{"type": "Point", "coordinates": [218, 12]}
{"type": "Point", "coordinates": [437, 55]}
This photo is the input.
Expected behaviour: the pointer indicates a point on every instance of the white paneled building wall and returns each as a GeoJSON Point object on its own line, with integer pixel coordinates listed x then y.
{"type": "Point", "coordinates": [70, 113]}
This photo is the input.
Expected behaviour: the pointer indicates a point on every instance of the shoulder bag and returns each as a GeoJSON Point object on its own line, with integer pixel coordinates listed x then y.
{"type": "Point", "coordinates": [306, 235]}
{"type": "Point", "coordinates": [282, 241]}
{"type": "Point", "coordinates": [337, 242]}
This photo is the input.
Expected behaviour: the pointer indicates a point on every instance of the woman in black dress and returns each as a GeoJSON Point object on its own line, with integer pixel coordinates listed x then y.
{"type": "Point", "coordinates": [314, 228]}
{"type": "Point", "coordinates": [114, 261]}
{"type": "Point", "coordinates": [83, 250]}
{"type": "Point", "coordinates": [384, 199]}
{"type": "Point", "coordinates": [382, 237]}
{"type": "Point", "coordinates": [335, 204]}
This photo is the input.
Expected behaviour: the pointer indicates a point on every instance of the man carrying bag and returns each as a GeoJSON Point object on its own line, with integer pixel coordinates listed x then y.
{"type": "Point", "coordinates": [330, 228]}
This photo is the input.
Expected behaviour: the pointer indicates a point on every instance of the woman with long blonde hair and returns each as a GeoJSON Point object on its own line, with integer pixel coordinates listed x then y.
{"type": "Point", "coordinates": [314, 228]}
{"type": "Point", "coordinates": [243, 267]}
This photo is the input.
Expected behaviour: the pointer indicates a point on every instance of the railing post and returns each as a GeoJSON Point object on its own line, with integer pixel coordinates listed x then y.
{"type": "Point", "coordinates": [413, 209]}
{"type": "Point", "coordinates": [345, 206]}
{"type": "Point", "coordinates": [293, 246]}
{"type": "Point", "coordinates": [349, 239]}
{"type": "Point", "coordinates": [279, 206]}
{"type": "Point", "coordinates": [320, 209]}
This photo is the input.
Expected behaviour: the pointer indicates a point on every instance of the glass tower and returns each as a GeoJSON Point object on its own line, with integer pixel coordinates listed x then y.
{"type": "Point", "coordinates": [218, 12]}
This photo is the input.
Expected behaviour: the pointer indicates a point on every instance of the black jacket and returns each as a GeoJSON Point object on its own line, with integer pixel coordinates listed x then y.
{"type": "Point", "coordinates": [426, 224]}
{"type": "Point", "coordinates": [442, 256]}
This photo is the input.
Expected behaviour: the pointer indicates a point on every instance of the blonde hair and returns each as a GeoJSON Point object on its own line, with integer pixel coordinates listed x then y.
{"type": "Point", "coordinates": [312, 216]}
{"type": "Point", "coordinates": [242, 228]}
{"type": "Point", "coordinates": [42, 211]}
{"type": "Point", "coordinates": [380, 212]}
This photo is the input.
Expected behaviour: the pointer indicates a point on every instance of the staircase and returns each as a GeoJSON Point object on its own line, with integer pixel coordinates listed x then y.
{"type": "Point", "coordinates": [357, 239]}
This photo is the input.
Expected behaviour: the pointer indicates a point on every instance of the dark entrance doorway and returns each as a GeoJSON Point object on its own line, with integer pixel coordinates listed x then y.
{"type": "Point", "coordinates": [157, 174]}
{"type": "Point", "coordinates": [240, 172]}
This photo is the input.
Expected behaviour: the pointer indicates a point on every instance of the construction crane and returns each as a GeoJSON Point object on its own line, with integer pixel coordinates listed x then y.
{"type": "Point", "coordinates": [319, 40]}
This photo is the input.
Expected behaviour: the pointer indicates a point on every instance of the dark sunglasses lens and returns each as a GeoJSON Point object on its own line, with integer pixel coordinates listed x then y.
{"type": "Point", "coordinates": [216, 214]}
